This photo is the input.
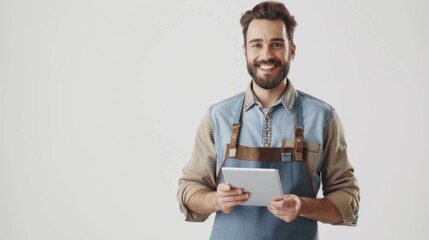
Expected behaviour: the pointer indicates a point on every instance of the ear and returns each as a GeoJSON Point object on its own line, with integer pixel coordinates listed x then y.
{"type": "Point", "coordinates": [244, 49]}
{"type": "Point", "coordinates": [292, 51]}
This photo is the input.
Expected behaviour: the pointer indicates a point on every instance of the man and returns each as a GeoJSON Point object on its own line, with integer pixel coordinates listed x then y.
{"type": "Point", "coordinates": [270, 125]}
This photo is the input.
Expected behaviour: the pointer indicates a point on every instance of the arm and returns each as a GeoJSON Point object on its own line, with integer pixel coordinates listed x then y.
{"type": "Point", "coordinates": [338, 178]}
{"type": "Point", "coordinates": [198, 195]}
{"type": "Point", "coordinates": [203, 202]}
{"type": "Point", "coordinates": [199, 174]}
{"type": "Point", "coordinates": [341, 202]}
{"type": "Point", "coordinates": [291, 206]}
{"type": "Point", "coordinates": [224, 199]}
{"type": "Point", "coordinates": [322, 210]}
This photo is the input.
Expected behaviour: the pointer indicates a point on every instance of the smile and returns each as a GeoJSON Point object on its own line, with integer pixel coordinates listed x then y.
{"type": "Point", "coordinates": [267, 66]}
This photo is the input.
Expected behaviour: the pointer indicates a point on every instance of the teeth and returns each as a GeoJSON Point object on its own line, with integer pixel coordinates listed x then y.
{"type": "Point", "coordinates": [267, 66]}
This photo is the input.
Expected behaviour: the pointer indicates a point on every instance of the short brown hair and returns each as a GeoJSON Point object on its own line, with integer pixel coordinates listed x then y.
{"type": "Point", "coordinates": [271, 11]}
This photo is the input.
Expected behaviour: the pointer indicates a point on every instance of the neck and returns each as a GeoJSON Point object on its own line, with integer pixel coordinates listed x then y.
{"type": "Point", "coordinates": [268, 97]}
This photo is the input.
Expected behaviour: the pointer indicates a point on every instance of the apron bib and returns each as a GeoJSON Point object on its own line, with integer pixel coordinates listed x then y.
{"type": "Point", "coordinates": [253, 222]}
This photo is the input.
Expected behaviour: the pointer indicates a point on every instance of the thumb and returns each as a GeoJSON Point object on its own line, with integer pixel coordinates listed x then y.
{"type": "Point", "coordinates": [286, 197]}
{"type": "Point", "coordinates": [224, 187]}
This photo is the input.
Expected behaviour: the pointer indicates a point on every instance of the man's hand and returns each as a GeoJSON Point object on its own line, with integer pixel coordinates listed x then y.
{"type": "Point", "coordinates": [286, 208]}
{"type": "Point", "coordinates": [228, 197]}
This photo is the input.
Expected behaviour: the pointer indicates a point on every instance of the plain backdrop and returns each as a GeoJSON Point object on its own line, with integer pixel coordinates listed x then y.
{"type": "Point", "coordinates": [100, 102]}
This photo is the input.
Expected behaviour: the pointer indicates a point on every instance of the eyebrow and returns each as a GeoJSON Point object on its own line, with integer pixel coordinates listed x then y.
{"type": "Point", "coordinates": [271, 40]}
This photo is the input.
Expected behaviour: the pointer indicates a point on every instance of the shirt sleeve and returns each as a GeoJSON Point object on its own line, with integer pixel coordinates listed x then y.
{"type": "Point", "coordinates": [200, 172]}
{"type": "Point", "coordinates": [339, 182]}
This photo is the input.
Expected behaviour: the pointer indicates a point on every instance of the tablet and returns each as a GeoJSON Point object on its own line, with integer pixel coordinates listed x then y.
{"type": "Point", "coordinates": [263, 184]}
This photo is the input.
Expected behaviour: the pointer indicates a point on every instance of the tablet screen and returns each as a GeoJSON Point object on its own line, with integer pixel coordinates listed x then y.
{"type": "Point", "coordinates": [263, 184]}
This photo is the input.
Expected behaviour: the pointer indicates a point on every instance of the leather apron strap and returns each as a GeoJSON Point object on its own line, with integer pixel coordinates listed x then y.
{"type": "Point", "coordinates": [299, 130]}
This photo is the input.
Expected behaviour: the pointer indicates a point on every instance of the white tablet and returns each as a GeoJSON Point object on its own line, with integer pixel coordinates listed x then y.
{"type": "Point", "coordinates": [263, 184]}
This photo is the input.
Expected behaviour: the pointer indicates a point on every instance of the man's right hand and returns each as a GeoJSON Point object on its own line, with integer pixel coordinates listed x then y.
{"type": "Point", "coordinates": [228, 197]}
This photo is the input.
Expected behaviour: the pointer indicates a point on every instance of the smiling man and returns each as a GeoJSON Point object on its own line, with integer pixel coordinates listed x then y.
{"type": "Point", "coordinates": [270, 125]}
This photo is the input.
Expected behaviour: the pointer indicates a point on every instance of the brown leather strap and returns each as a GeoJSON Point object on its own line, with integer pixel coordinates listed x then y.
{"type": "Point", "coordinates": [299, 144]}
{"type": "Point", "coordinates": [231, 152]}
{"type": "Point", "coordinates": [259, 154]}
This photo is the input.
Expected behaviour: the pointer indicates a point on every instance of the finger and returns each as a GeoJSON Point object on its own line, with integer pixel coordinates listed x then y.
{"type": "Point", "coordinates": [274, 207]}
{"type": "Point", "coordinates": [227, 204]}
{"type": "Point", "coordinates": [224, 187]}
{"type": "Point", "coordinates": [278, 203]}
{"type": "Point", "coordinates": [232, 204]}
{"type": "Point", "coordinates": [277, 211]}
{"type": "Point", "coordinates": [281, 211]}
{"type": "Point", "coordinates": [231, 192]}
{"type": "Point", "coordinates": [235, 198]}
{"type": "Point", "coordinates": [243, 196]}
{"type": "Point", "coordinates": [287, 196]}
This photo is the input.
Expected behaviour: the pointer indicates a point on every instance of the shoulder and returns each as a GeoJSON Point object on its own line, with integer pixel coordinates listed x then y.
{"type": "Point", "coordinates": [314, 102]}
{"type": "Point", "coordinates": [225, 106]}
{"type": "Point", "coordinates": [317, 107]}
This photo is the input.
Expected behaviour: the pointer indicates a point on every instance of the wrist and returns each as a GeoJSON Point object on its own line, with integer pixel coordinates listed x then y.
{"type": "Point", "coordinates": [214, 202]}
{"type": "Point", "coordinates": [203, 202]}
{"type": "Point", "coordinates": [303, 207]}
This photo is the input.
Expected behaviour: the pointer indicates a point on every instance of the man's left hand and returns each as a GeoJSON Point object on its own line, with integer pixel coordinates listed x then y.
{"type": "Point", "coordinates": [286, 208]}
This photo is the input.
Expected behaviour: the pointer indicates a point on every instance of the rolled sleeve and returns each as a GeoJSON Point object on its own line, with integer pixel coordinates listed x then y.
{"type": "Point", "coordinates": [339, 182]}
{"type": "Point", "coordinates": [200, 172]}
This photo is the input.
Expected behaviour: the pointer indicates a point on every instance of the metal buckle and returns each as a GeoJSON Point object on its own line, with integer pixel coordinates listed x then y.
{"type": "Point", "coordinates": [232, 152]}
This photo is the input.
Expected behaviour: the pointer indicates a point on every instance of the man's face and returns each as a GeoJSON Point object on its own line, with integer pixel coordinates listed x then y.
{"type": "Point", "coordinates": [267, 52]}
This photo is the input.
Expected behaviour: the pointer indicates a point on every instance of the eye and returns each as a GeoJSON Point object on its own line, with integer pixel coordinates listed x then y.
{"type": "Point", "coordinates": [277, 45]}
{"type": "Point", "coordinates": [256, 45]}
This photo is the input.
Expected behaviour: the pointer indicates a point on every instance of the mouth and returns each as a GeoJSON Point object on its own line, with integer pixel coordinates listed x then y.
{"type": "Point", "coordinates": [266, 67]}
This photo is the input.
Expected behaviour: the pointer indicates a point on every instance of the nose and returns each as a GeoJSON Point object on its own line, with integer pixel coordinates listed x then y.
{"type": "Point", "coordinates": [267, 54]}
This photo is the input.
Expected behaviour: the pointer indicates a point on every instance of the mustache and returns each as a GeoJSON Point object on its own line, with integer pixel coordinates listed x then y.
{"type": "Point", "coordinates": [269, 61]}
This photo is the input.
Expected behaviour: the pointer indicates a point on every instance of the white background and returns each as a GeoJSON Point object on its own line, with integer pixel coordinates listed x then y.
{"type": "Point", "coordinates": [100, 101]}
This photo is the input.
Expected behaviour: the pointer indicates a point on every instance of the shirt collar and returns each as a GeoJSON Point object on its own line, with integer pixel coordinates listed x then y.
{"type": "Point", "coordinates": [288, 97]}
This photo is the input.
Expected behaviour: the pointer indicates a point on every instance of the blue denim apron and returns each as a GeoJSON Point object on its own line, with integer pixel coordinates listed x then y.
{"type": "Point", "coordinates": [254, 222]}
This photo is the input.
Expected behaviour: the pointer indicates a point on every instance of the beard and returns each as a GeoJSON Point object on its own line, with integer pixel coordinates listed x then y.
{"type": "Point", "coordinates": [267, 81]}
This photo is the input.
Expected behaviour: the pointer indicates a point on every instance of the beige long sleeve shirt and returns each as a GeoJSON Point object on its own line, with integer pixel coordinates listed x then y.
{"type": "Point", "coordinates": [339, 183]}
